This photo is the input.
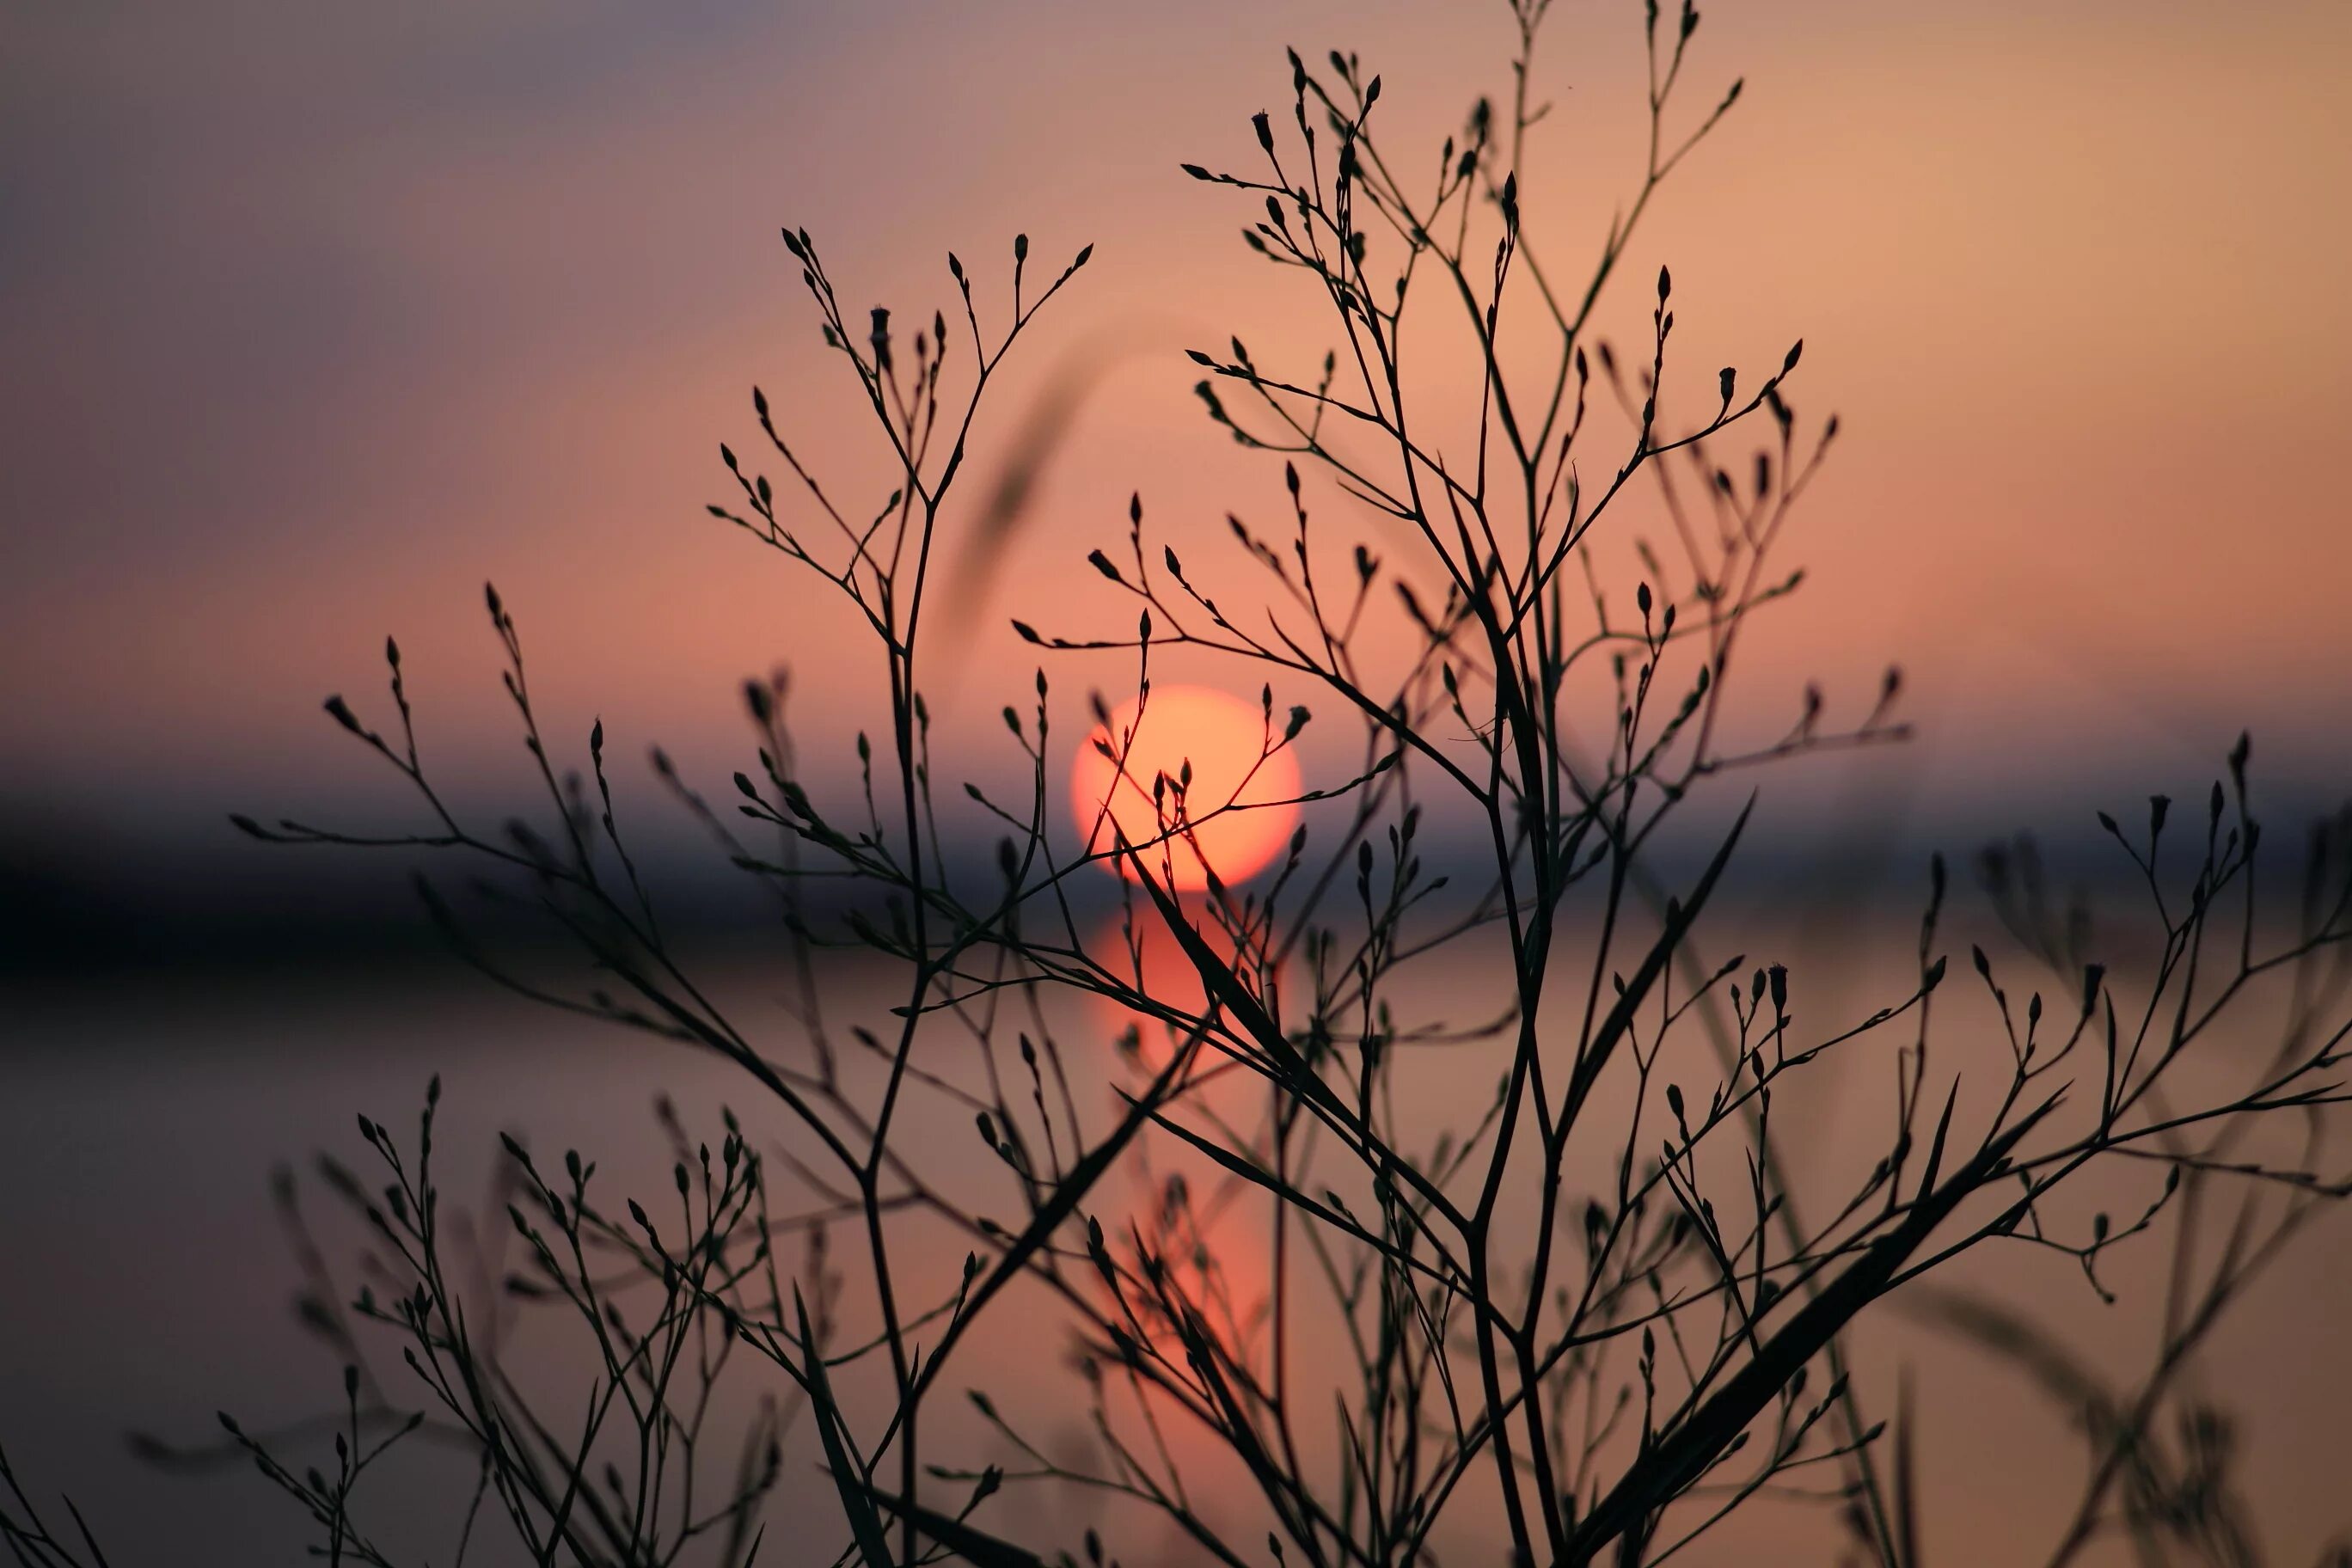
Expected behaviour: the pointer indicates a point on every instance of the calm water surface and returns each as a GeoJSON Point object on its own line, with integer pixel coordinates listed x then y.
{"type": "Point", "coordinates": [144, 1282]}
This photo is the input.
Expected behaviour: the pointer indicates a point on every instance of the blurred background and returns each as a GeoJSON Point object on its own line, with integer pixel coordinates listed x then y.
{"type": "Point", "coordinates": [318, 317]}
{"type": "Point", "coordinates": [314, 318]}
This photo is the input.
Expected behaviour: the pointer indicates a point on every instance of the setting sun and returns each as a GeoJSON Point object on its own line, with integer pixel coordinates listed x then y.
{"type": "Point", "coordinates": [1224, 739]}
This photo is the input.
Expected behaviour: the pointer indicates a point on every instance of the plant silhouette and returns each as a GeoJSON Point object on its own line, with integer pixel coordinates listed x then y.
{"type": "Point", "coordinates": [1592, 1322]}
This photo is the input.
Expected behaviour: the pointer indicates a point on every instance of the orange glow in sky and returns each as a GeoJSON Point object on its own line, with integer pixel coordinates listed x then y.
{"type": "Point", "coordinates": [506, 270]}
{"type": "Point", "coordinates": [1223, 738]}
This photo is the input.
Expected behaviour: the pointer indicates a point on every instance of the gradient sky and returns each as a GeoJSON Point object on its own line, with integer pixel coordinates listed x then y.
{"type": "Point", "coordinates": [314, 317]}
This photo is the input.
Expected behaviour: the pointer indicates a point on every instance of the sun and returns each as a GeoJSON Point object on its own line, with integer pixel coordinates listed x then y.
{"type": "Point", "coordinates": [1225, 740]}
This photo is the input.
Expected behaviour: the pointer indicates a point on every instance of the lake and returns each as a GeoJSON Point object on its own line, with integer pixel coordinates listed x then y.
{"type": "Point", "coordinates": [145, 1282]}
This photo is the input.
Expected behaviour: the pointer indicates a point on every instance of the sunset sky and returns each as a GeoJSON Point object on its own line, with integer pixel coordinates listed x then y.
{"type": "Point", "coordinates": [316, 317]}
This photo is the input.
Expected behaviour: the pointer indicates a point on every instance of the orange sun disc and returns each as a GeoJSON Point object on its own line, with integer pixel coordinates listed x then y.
{"type": "Point", "coordinates": [1237, 811]}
